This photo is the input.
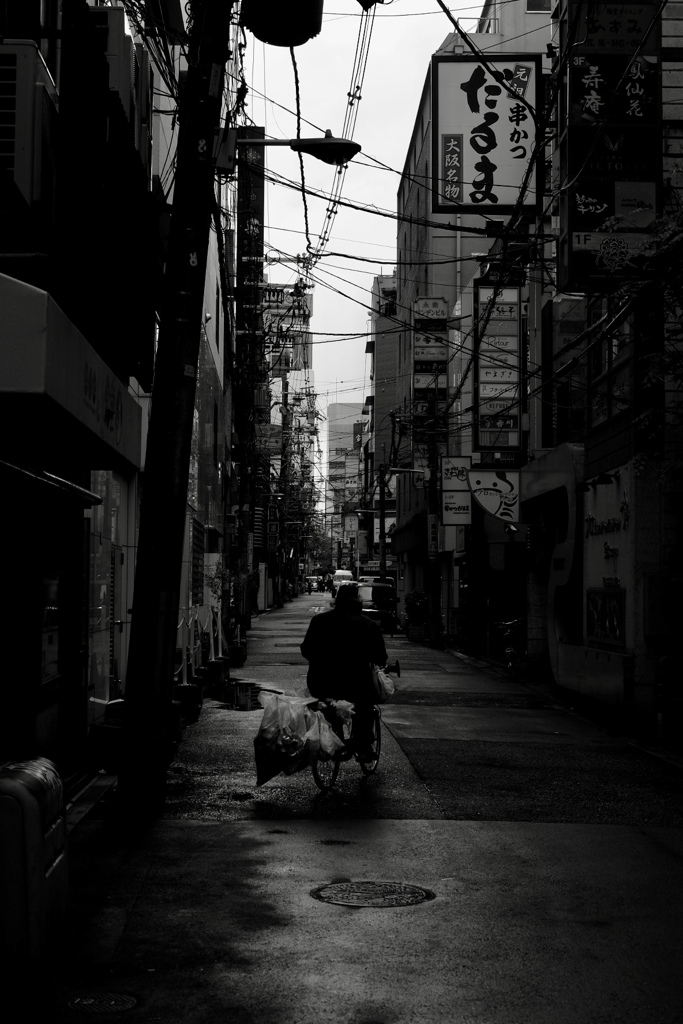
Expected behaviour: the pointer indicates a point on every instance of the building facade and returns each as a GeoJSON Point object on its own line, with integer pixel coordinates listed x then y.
{"type": "Point", "coordinates": [443, 246]}
{"type": "Point", "coordinates": [78, 337]}
{"type": "Point", "coordinates": [343, 482]}
{"type": "Point", "coordinates": [550, 446]}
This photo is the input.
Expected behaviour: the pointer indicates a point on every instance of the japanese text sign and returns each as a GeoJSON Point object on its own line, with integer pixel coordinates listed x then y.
{"type": "Point", "coordinates": [611, 153]}
{"type": "Point", "coordinates": [617, 28]}
{"type": "Point", "coordinates": [484, 132]}
{"type": "Point", "coordinates": [497, 368]}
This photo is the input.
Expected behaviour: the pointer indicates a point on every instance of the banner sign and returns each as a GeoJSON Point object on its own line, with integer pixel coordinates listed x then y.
{"type": "Point", "coordinates": [483, 134]}
{"type": "Point", "coordinates": [497, 368]}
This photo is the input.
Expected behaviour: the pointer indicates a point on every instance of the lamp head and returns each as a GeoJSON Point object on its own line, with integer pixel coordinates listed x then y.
{"type": "Point", "coordinates": [328, 149]}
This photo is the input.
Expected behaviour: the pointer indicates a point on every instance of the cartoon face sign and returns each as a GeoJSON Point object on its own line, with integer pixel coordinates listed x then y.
{"type": "Point", "coordinates": [497, 492]}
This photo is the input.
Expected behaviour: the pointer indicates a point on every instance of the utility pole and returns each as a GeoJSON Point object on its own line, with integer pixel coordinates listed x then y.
{"type": "Point", "coordinates": [382, 524]}
{"type": "Point", "coordinates": [433, 520]}
{"type": "Point", "coordinates": [148, 727]}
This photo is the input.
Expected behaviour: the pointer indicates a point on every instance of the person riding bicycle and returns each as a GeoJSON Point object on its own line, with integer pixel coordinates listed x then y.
{"type": "Point", "coordinates": [341, 646]}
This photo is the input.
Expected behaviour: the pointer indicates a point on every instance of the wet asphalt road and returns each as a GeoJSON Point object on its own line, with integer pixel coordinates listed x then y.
{"type": "Point", "coordinates": [460, 741]}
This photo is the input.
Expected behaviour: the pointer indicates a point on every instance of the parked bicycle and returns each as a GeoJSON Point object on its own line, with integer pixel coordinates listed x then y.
{"type": "Point", "coordinates": [325, 772]}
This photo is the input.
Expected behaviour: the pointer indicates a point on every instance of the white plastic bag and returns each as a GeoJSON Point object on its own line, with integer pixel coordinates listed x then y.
{"type": "Point", "coordinates": [330, 744]}
{"type": "Point", "coordinates": [280, 744]}
{"type": "Point", "coordinates": [383, 685]}
{"type": "Point", "coordinates": [321, 740]}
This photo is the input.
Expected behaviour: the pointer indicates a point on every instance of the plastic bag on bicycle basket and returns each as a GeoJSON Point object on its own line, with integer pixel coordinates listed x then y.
{"type": "Point", "coordinates": [343, 710]}
{"type": "Point", "coordinates": [279, 745]}
{"type": "Point", "coordinates": [330, 743]}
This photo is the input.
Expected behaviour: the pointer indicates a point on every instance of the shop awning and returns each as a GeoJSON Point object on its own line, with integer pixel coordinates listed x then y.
{"type": "Point", "coordinates": [45, 479]}
{"type": "Point", "coordinates": [57, 396]}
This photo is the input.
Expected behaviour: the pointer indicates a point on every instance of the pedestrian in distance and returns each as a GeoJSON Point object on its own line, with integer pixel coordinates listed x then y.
{"type": "Point", "coordinates": [341, 646]}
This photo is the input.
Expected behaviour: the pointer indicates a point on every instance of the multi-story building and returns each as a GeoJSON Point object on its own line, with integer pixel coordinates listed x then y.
{"type": "Point", "coordinates": [546, 388]}
{"type": "Point", "coordinates": [381, 437]}
{"type": "Point", "coordinates": [453, 200]}
{"type": "Point", "coordinates": [598, 493]}
{"type": "Point", "coordinates": [87, 156]}
{"type": "Point", "coordinates": [343, 485]}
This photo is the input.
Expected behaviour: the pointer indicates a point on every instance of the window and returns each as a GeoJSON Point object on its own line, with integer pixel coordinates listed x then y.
{"type": "Point", "coordinates": [538, 6]}
{"type": "Point", "coordinates": [605, 616]}
{"type": "Point", "coordinates": [610, 390]}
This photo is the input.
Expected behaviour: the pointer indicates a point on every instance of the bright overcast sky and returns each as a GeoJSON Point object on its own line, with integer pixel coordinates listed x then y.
{"type": "Point", "coordinates": [405, 33]}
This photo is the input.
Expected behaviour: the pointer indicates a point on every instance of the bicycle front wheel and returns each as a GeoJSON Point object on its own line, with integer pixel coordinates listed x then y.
{"type": "Point", "coordinates": [368, 767]}
{"type": "Point", "coordinates": [325, 773]}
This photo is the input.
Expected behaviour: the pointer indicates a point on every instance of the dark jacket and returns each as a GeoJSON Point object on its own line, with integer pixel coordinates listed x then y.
{"type": "Point", "coordinates": [341, 647]}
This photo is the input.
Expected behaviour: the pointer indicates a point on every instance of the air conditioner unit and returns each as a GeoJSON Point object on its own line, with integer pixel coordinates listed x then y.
{"type": "Point", "coordinates": [29, 125]}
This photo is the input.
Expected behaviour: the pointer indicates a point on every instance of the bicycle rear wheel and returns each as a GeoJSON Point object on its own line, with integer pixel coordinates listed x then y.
{"type": "Point", "coordinates": [325, 773]}
{"type": "Point", "coordinates": [368, 767]}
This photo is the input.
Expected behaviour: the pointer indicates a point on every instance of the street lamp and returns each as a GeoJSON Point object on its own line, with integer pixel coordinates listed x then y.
{"type": "Point", "coordinates": [327, 148]}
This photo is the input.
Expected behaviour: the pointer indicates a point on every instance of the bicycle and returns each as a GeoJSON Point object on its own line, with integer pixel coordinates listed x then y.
{"type": "Point", "coordinates": [325, 772]}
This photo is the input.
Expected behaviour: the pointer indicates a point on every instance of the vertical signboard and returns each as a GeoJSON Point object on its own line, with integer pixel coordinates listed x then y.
{"type": "Point", "coordinates": [456, 498]}
{"type": "Point", "coordinates": [484, 132]}
{"type": "Point", "coordinates": [249, 255]}
{"type": "Point", "coordinates": [497, 369]}
{"type": "Point", "coordinates": [611, 156]}
{"type": "Point", "coordinates": [285, 312]}
{"type": "Point", "coordinates": [430, 370]}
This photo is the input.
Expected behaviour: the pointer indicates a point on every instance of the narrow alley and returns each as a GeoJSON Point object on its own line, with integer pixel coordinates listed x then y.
{"type": "Point", "coordinates": [546, 855]}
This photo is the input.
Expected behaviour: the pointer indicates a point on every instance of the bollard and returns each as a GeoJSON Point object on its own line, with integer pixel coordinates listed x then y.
{"type": "Point", "coordinates": [33, 875]}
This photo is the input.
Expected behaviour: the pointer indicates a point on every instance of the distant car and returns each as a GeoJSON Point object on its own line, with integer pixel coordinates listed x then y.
{"type": "Point", "coordinates": [378, 602]}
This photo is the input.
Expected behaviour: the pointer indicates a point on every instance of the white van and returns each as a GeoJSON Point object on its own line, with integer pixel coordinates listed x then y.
{"type": "Point", "coordinates": [341, 575]}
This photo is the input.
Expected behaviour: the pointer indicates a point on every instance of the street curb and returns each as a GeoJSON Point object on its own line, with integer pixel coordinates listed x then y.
{"type": "Point", "coordinates": [668, 756]}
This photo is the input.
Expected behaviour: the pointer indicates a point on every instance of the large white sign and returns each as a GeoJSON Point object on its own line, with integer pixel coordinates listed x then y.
{"type": "Point", "coordinates": [456, 508]}
{"type": "Point", "coordinates": [484, 132]}
{"type": "Point", "coordinates": [456, 499]}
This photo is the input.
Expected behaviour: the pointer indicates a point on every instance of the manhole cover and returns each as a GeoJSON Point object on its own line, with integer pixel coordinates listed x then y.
{"type": "Point", "coordinates": [103, 1002]}
{"type": "Point", "coordinates": [373, 894]}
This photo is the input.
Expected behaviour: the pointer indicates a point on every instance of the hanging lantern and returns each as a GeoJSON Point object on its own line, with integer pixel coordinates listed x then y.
{"type": "Point", "coordinates": [281, 24]}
